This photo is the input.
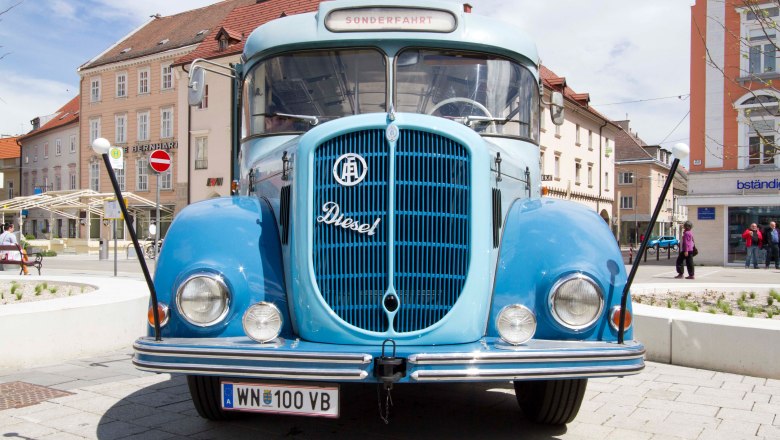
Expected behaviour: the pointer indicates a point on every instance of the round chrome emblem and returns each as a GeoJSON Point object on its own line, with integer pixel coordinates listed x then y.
{"type": "Point", "coordinates": [350, 169]}
{"type": "Point", "coordinates": [391, 133]}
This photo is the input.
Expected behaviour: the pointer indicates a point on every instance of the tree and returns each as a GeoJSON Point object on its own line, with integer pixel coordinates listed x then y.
{"type": "Point", "coordinates": [3, 55]}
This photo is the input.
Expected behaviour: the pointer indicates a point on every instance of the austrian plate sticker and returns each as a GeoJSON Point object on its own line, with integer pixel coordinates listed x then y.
{"type": "Point", "coordinates": [302, 400]}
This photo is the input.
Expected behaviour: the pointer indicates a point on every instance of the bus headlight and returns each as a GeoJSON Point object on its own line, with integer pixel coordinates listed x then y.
{"type": "Point", "coordinates": [516, 324]}
{"type": "Point", "coordinates": [576, 301]}
{"type": "Point", "coordinates": [203, 299]}
{"type": "Point", "coordinates": [262, 322]}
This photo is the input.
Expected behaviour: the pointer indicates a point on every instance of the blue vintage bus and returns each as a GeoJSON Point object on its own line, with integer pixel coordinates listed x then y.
{"type": "Point", "coordinates": [388, 226]}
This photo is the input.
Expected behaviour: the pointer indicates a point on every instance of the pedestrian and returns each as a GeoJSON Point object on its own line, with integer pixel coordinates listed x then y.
{"type": "Point", "coordinates": [686, 252]}
{"type": "Point", "coordinates": [8, 238]}
{"type": "Point", "coordinates": [753, 241]}
{"type": "Point", "coordinates": [772, 244]}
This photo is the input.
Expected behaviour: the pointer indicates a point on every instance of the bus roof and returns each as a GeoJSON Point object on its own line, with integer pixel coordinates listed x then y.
{"type": "Point", "coordinates": [471, 31]}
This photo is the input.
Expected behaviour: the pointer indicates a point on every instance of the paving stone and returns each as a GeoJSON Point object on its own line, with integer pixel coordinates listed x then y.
{"type": "Point", "coordinates": [619, 399]}
{"type": "Point", "coordinates": [746, 416]}
{"type": "Point", "coordinates": [602, 387]}
{"type": "Point", "coordinates": [712, 434]}
{"type": "Point", "coordinates": [74, 423]}
{"type": "Point", "coordinates": [774, 391]}
{"type": "Point", "coordinates": [769, 431]}
{"type": "Point", "coordinates": [157, 399]}
{"type": "Point", "coordinates": [118, 429]}
{"type": "Point", "coordinates": [757, 398]}
{"type": "Point", "coordinates": [739, 427]}
{"type": "Point", "coordinates": [690, 380]}
{"type": "Point", "coordinates": [720, 392]}
{"type": "Point", "coordinates": [766, 408]}
{"type": "Point", "coordinates": [773, 383]}
{"type": "Point", "coordinates": [722, 402]}
{"type": "Point", "coordinates": [728, 377]}
{"type": "Point", "coordinates": [130, 412]}
{"type": "Point", "coordinates": [681, 430]}
{"type": "Point", "coordinates": [662, 394]}
{"type": "Point", "coordinates": [26, 430]}
{"type": "Point", "coordinates": [746, 387]}
{"type": "Point", "coordinates": [189, 425]}
{"type": "Point", "coordinates": [52, 412]}
{"type": "Point", "coordinates": [692, 419]}
{"type": "Point", "coordinates": [683, 407]}
{"type": "Point", "coordinates": [589, 430]}
{"type": "Point", "coordinates": [158, 419]}
{"type": "Point", "coordinates": [682, 388]}
{"type": "Point", "coordinates": [754, 380]}
{"type": "Point", "coordinates": [60, 435]}
{"type": "Point", "coordinates": [624, 434]}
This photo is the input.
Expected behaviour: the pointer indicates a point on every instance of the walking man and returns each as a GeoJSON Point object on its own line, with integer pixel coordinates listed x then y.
{"type": "Point", "coordinates": [772, 244]}
{"type": "Point", "coordinates": [753, 240]}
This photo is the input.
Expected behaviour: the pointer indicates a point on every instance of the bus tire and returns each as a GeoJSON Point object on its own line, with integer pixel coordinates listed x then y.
{"type": "Point", "coordinates": [551, 402]}
{"type": "Point", "coordinates": [205, 394]}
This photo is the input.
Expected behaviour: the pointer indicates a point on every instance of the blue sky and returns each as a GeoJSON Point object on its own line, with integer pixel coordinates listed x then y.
{"type": "Point", "coordinates": [616, 50]}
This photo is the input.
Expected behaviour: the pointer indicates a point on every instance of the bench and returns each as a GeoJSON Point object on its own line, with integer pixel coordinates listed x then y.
{"type": "Point", "coordinates": [34, 260]}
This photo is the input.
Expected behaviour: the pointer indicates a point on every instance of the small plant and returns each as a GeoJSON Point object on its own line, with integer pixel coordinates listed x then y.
{"type": "Point", "coordinates": [45, 285]}
{"type": "Point", "coordinates": [38, 289]}
{"type": "Point", "coordinates": [741, 304]}
{"type": "Point", "coordinates": [769, 300]}
{"type": "Point", "coordinates": [19, 295]}
{"type": "Point", "coordinates": [743, 296]}
{"type": "Point", "coordinates": [751, 312]}
{"type": "Point", "coordinates": [695, 307]}
{"type": "Point", "coordinates": [769, 314]}
{"type": "Point", "coordinates": [668, 303]}
{"type": "Point", "coordinates": [638, 300]}
{"type": "Point", "coordinates": [752, 295]}
{"type": "Point", "coordinates": [682, 304]}
{"type": "Point", "coordinates": [712, 310]}
{"type": "Point", "coordinates": [82, 289]}
{"type": "Point", "coordinates": [53, 289]}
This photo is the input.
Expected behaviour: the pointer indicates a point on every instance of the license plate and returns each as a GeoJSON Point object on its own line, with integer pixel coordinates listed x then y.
{"type": "Point", "coordinates": [302, 400]}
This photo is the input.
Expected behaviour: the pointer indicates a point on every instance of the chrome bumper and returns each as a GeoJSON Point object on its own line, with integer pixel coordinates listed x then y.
{"type": "Point", "coordinates": [484, 361]}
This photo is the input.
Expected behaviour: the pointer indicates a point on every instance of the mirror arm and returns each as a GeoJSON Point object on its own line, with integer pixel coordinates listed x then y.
{"type": "Point", "coordinates": [201, 60]}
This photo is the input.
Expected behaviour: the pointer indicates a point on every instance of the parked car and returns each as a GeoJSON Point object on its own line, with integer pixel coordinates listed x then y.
{"type": "Point", "coordinates": [656, 243]}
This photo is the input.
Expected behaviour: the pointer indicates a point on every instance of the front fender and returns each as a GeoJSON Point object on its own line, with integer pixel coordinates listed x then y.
{"type": "Point", "coordinates": [235, 238]}
{"type": "Point", "coordinates": [546, 239]}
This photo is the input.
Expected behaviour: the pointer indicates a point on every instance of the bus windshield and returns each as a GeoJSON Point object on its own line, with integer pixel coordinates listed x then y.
{"type": "Point", "coordinates": [293, 92]}
{"type": "Point", "coordinates": [489, 94]}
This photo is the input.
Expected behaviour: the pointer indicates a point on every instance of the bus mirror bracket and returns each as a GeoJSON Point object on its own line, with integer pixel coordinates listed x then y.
{"type": "Point", "coordinates": [556, 108]}
{"type": "Point", "coordinates": [197, 78]}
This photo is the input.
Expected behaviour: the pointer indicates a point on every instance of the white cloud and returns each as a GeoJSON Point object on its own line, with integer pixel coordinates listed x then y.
{"type": "Point", "coordinates": [24, 97]}
{"type": "Point", "coordinates": [615, 50]}
{"type": "Point", "coordinates": [139, 10]}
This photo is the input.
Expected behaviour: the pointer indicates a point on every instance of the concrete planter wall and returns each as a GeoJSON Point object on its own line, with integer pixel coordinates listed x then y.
{"type": "Point", "coordinates": [44, 332]}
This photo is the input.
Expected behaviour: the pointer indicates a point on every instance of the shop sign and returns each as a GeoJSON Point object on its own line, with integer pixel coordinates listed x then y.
{"type": "Point", "coordinates": [141, 148]}
{"type": "Point", "coordinates": [707, 213]}
{"type": "Point", "coordinates": [758, 184]}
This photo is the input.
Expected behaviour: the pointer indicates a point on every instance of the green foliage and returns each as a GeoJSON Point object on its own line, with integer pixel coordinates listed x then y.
{"type": "Point", "coordinates": [712, 310]}
{"type": "Point", "coordinates": [14, 288]}
{"type": "Point", "coordinates": [49, 253]}
{"type": "Point", "coordinates": [45, 285]}
{"type": "Point", "coordinates": [743, 296]}
{"type": "Point", "coordinates": [751, 312]}
{"type": "Point", "coordinates": [19, 295]}
{"type": "Point", "coordinates": [53, 289]}
{"type": "Point", "coordinates": [669, 303]}
{"type": "Point", "coordinates": [38, 289]}
{"type": "Point", "coordinates": [769, 300]}
{"type": "Point", "coordinates": [29, 237]}
{"type": "Point", "coordinates": [752, 295]}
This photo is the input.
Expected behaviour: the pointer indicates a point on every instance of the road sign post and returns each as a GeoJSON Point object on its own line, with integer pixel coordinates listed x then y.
{"type": "Point", "coordinates": [160, 161]}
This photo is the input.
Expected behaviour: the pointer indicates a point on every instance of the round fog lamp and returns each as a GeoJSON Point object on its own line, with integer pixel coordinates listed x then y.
{"type": "Point", "coordinates": [262, 322]}
{"type": "Point", "coordinates": [576, 302]}
{"type": "Point", "coordinates": [516, 324]}
{"type": "Point", "coordinates": [203, 300]}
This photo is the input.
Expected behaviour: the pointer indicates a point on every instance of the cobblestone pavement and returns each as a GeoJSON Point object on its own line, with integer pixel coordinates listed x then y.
{"type": "Point", "coordinates": [111, 400]}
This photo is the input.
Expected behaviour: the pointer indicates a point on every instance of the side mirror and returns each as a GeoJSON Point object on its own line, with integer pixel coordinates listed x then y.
{"type": "Point", "coordinates": [556, 108]}
{"type": "Point", "coordinates": [197, 85]}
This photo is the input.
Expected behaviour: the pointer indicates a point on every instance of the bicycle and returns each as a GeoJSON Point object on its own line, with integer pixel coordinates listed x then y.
{"type": "Point", "coordinates": [149, 249]}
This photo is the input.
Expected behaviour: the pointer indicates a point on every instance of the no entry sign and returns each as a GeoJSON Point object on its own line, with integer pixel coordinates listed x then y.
{"type": "Point", "coordinates": [160, 161]}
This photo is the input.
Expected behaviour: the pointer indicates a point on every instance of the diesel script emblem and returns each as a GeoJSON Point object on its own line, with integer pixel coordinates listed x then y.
{"type": "Point", "coordinates": [333, 216]}
{"type": "Point", "coordinates": [350, 169]}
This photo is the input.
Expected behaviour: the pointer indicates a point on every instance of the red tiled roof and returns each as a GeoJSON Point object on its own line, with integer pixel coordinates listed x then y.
{"type": "Point", "coordinates": [67, 114]}
{"type": "Point", "coordinates": [628, 146]}
{"type": "Point", "coordinates": [558, 83]}
{"type": "Point", "coordinates": [242, 21]}
{"type": "Point", "coordinates": [178, 30]}
{"type": "Point", "coordinates": [9, 149]}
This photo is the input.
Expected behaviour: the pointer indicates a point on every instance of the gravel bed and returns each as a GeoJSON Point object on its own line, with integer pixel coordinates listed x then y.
{"type": "Point", "coordinates": [752, 304]}
{"type": "Point", "coordinates": [15, 292]}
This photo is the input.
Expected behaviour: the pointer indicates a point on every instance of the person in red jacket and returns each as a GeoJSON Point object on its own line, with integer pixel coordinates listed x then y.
{"type": "Point", "coordinates": [753, 241]}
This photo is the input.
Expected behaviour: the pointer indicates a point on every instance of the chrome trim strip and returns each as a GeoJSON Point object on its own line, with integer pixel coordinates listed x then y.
{"type": "Point", "coordinates": [516, 374]}
{"type": "Point", "coordinates": [523, 357]}
{"type": "Point", "coordinates": [217, 353]}
{"type": "Point", "coordinates": [239, 371]}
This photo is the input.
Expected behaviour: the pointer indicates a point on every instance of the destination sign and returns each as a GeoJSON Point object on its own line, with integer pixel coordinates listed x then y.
{"type": "Point", "coordinates": [388, 19]}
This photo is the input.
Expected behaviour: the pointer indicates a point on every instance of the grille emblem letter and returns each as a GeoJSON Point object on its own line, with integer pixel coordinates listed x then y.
{"type": "Point", "coordinates": [332, 216]}
{"type": "Point", "coordinates": [350, 169]}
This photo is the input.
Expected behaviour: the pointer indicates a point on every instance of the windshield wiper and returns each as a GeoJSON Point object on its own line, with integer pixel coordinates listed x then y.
{"type": "Point", "coordinates": [312, 120]}
{"type": "Point", "coordinates": [468, 120]}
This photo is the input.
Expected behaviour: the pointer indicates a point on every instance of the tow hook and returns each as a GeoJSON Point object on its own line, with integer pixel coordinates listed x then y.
{"type": "Point", "coordinates": [389, 369]}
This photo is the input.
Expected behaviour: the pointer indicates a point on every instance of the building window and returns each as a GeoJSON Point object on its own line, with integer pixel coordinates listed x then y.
{"type": "Point", "coordinates": [10, 189]}
{"type": "Point", "coordinates": [167, 77]}
{"type": "Point", "coordinates": [166, 123]}
{"type": "Point", "coordinates": [762, 57]}
{"type": "Point", "coordinates": [45, 150]}
{"type": "Point", "coordinates": [35, 154]}
{"type": "Point", "coordinates": [223, 44]}
{"type": "Point", "coordinates": [121, 85]}
{"type": "Point", "coordinates": [143, 126]}
{"type": "Point", "coordinates": [541, 162]}
{"type": "Point", "coordinates": [94, 176]}
{"type": "Point", "coordinates": [204, 104]}
{"type": "Point", "coordinates": [590, 139]}
{"type": "Point", "coordinates": [166, 179]}
{"type": "Point", "coordinates": [606, 181]}
{"type": "Point", "coordinates": [201, 153]}
{"type": "Point", "coordinates": [73, 143]}
{"type": "Point", "coordinates": [72, 177]}
{"type": "Point", "coordinates": [577, 173]}
{"type": "Point", "coordinates": [58, 147]}
{"type": "Point", "coordinates": [57, 182]}
{"type": "Point", "coordinates": [557, 166]}
{"type": "Point", "coordinates": [143, 81]}
{"type": "Point", "coordinates": [94, 129]}
{"type": "Point", "coordinates": [590, 175]}
{"type": "Point", "coordinates": [94, 89]}
{"type": "Point", "coordinates": [626, 178]}
{"type": "Point", "coordinates": [142, 173]}
{"type": "Point", "coordinates": [542, 122]}
{"type": "Point", "coordinates": [120, 176]}
{"type": "Point", "coordinates": [577, 135]}
{"type": "Point", "coordinates": [557, 131]}
{"type": "Point", "coordinates": [627, 202]}
{"type": "Point", "coordinates": [121, 128]}
{"type": "Point", "coordinates": [761, 150]}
